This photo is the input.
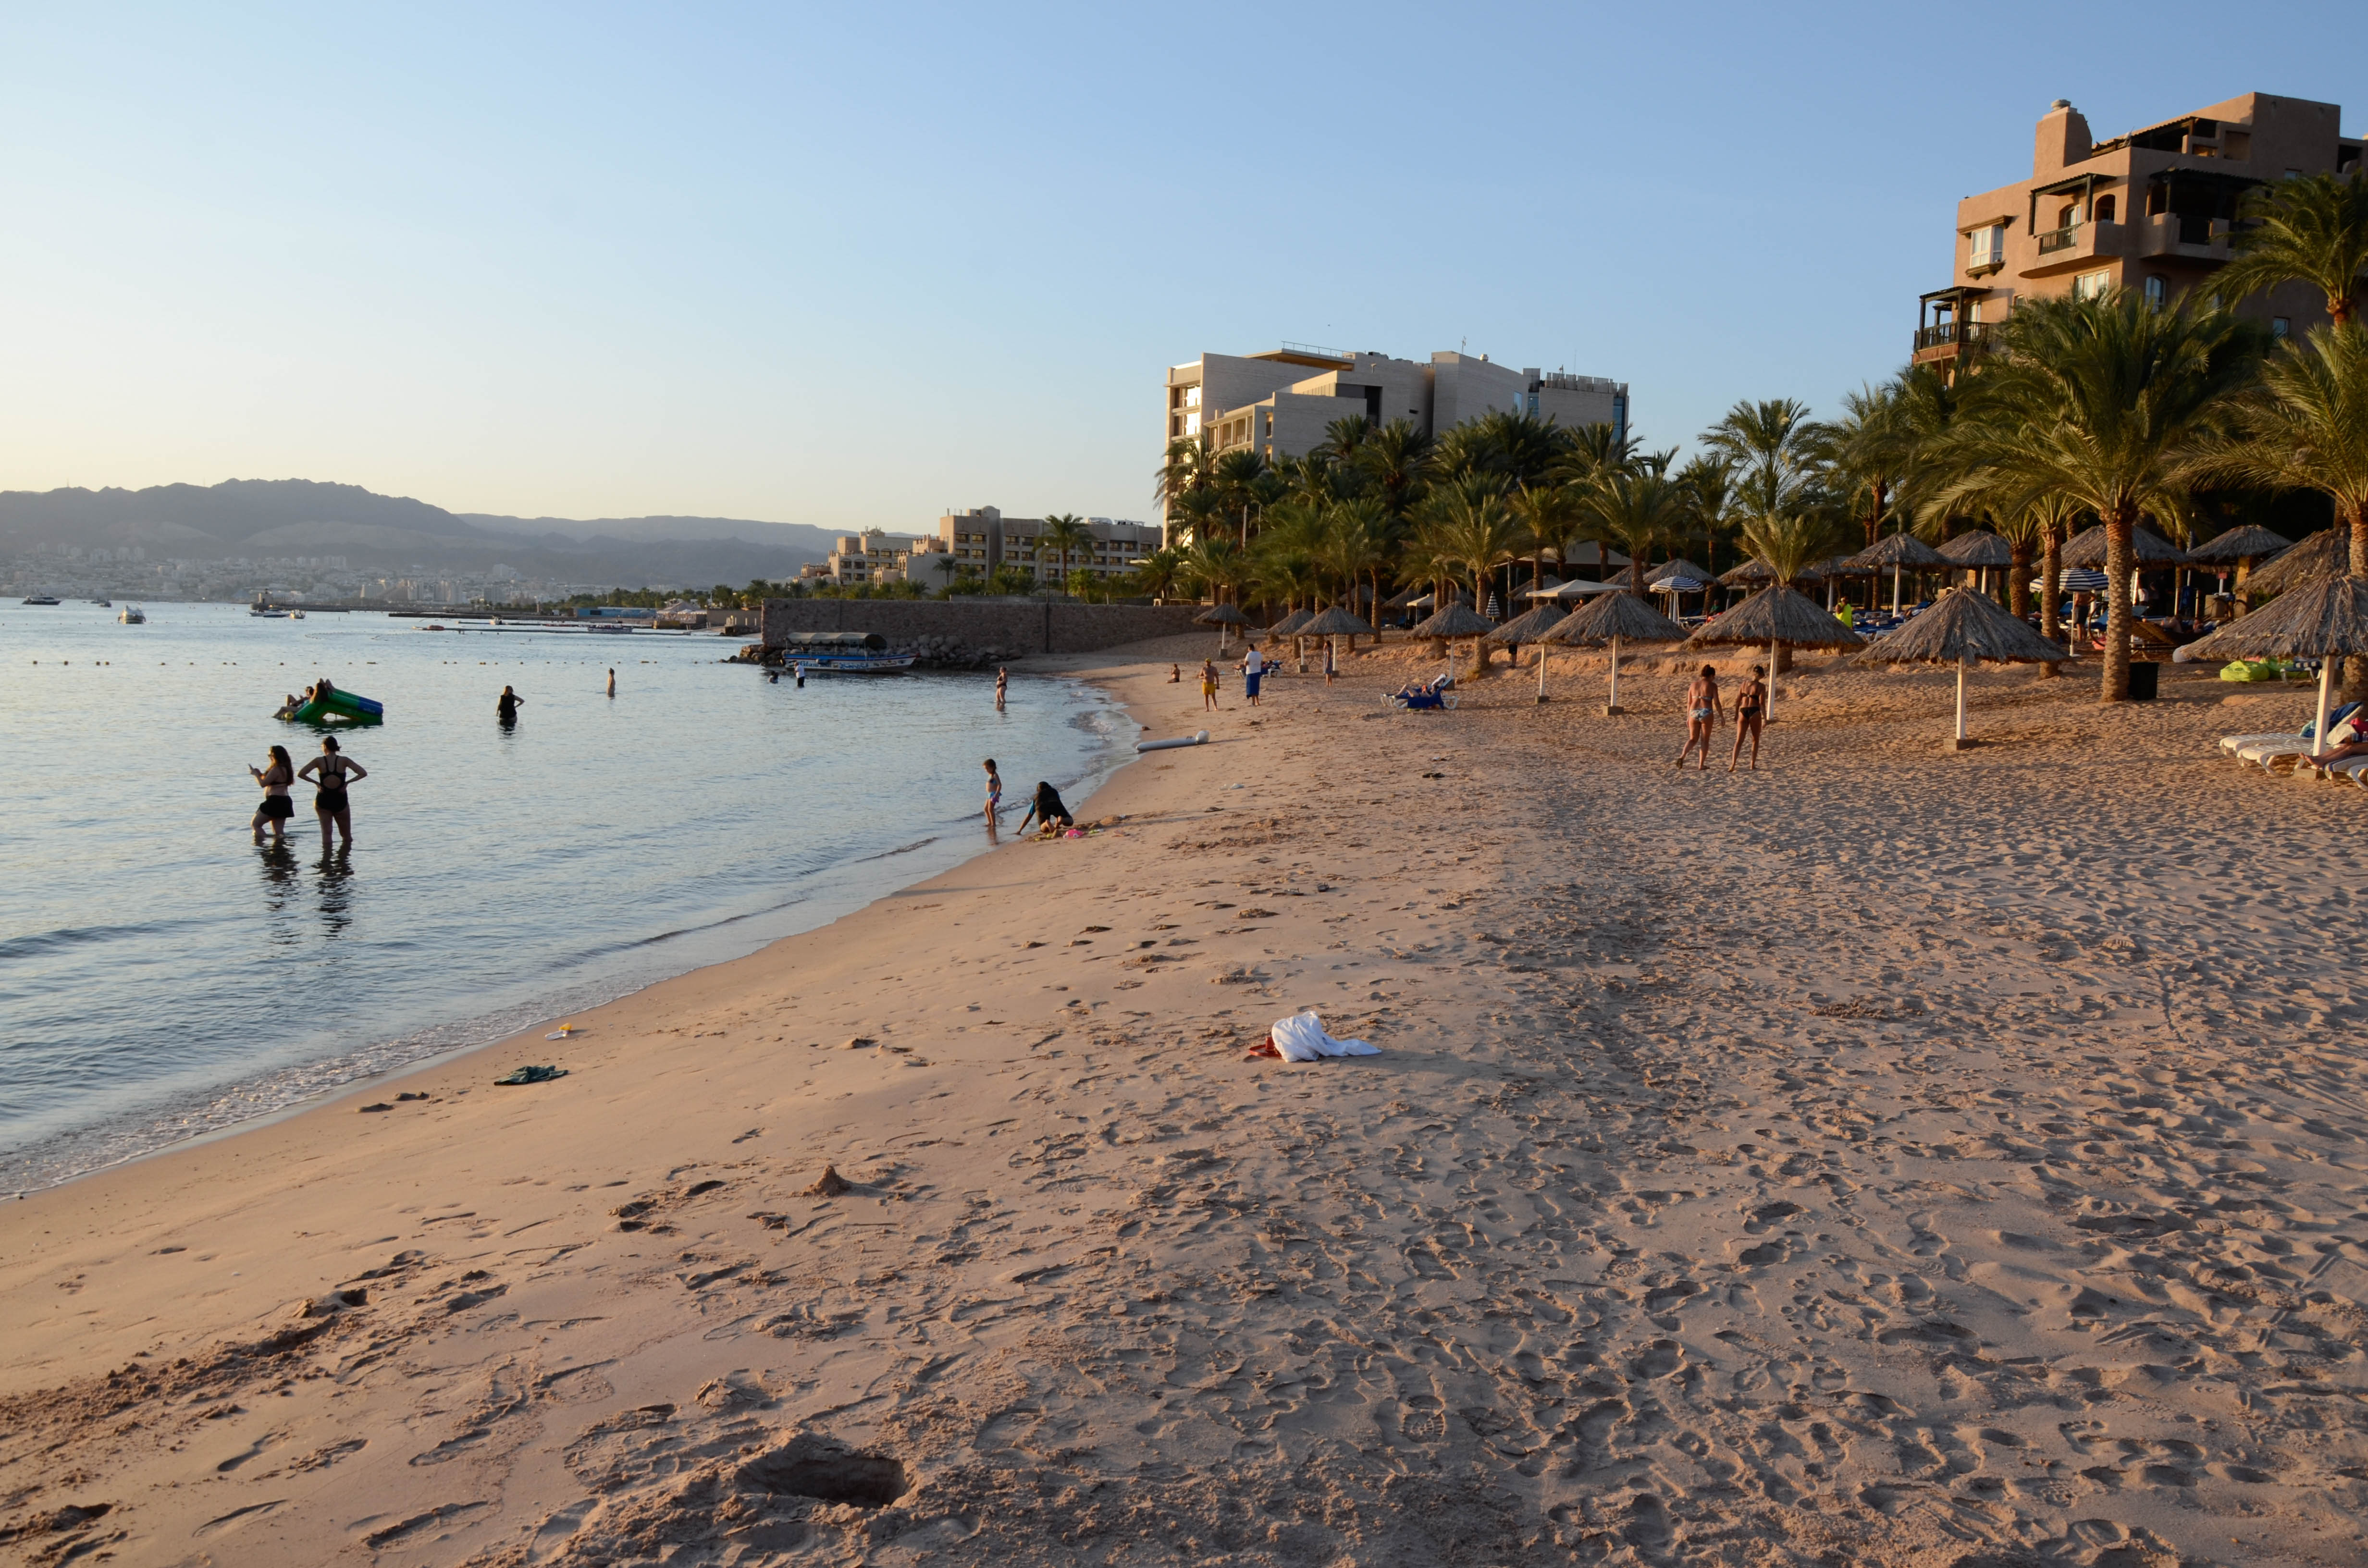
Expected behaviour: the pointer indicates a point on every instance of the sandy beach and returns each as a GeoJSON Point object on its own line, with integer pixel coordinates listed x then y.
{"type": "Point", "coordinates": [1890, 1157]}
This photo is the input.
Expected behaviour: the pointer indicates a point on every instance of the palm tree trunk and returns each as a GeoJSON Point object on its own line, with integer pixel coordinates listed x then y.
{"type": "Point", "coordinates": [2050, 588]}
{"type": "Point", "coordinates": [2018, 587]}
{"type": "Point", "coordinates": [2121, 558]}
{"type": "Point", "coordinates": [2355, 669]}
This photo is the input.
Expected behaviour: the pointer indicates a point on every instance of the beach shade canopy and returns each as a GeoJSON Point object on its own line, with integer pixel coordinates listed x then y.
{"type": "Point", "coordinates": [1220, 615]}
{"type": "Point", "coordinates": [1335, 622]}
{"type": "Point", "coordinates": [2073, 580]}
{"type": "Point", "coordinates": [1756, 574]}
{"type": "Point", "coordinates": [1456, 620]}
{"type": "Point", "coordinates": [2324, 555]}
{"type": "Point", "coordinates": [1622, 615]}
{"type": "Point", "coordinates": [1841, 566]}
{"type": "Point", "coordinates": [1566, 593]}
{"type": "Point", "coordinates": [2087, 548]}
{"type": "Point", "coordinates": [1289, 624]}
{"type": "Point", "coordinates": [1962, 626]}
{"type": "Point", "coordinates": [1776, 615]}
{"type": "Point", "coordinates": [1530, 624]}
{"type": "Point", "coordinates": [1679, 570]}
{"type": "Point", "coordinates": [2247, 541]}
{"type": "Point", "coordinates": [1979, 549]}
{"type": "Point", "coordinates": [2326, 620]}
{"type": "Point", "coordinates": [1405, 597]}
{"type": "Point", "coordinates": [1898, 550]}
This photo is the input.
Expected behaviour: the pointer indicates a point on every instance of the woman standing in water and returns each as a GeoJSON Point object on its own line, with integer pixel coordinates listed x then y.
{"type": "Point", "coordinates": [505, 706]}
{"type": "Point", "coordinates": [1703, 709]}
{"type": "Point", "coordinates": [331, 772]}
{"type": "Point", "coordinates": [276, 807]}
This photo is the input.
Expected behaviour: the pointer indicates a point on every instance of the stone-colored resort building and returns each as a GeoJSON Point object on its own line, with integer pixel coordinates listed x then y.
{"type": "Point", "coordinates": [976, 541]}
{"type": "Point", "coordinates": [1280, 403]}
{"type": "Point", "coordinates": [2153, 210]}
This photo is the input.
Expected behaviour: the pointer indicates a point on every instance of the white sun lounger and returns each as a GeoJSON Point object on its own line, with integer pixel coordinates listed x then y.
{"type": "Point", "coordinates": [2347, 769]}
{"type": "Point", "coordinates": [2238, 743]}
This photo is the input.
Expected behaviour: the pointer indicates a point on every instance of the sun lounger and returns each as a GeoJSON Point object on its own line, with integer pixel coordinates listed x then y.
{"type": "Point", "coordinates": [2343, 770]}
{"type": "Point", "coordinates": [1436, 692]}
{"type": "Point", "coordinates": [2238, 743]}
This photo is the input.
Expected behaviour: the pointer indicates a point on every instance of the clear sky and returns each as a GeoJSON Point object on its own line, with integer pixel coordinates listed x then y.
{"type": "Point", "coordinates": [855, 265]}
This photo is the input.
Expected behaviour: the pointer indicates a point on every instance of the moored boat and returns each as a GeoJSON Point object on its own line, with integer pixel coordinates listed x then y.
{"type": "Point", "coordinates": [839, 653]}
{"type": "Point", "coordinates": [39, 599]}
{"type": "Point", "coordinates": [134, 616]}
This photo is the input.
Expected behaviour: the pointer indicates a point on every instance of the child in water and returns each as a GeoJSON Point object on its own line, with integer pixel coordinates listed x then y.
{"type": "Point", "coordinates": [994, 791]}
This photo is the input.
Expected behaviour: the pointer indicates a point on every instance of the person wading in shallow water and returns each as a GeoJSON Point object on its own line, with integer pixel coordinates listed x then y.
{"type": "Point", "coordinates": [505, 706]}
{"type": "Point", "coordinates": [1002, 684]}
{"type": "Point", "coordinates": [331, 772]}
{"type": "Point", "coordinates": [276, 807]}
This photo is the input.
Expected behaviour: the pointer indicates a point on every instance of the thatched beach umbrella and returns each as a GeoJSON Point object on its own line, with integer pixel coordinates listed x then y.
{"type": "Point", "coordinates": [1781, 618]}
{"type": "Point", "coordinates": [1755, 574]}
{"type": "Point", "coordinates": [1980, 552]}
{"type": "Point", "coordinates": [2149, 548]}
{"type": "Point", "coordinates": [2242, 548]}
{"type": "Point", "coordinates": [1225, 618]}
{"type": "Point", "coordinates": [1338, 622]}
{"type": "Point", "coordinates": [1529, 627]}
{"type": "Point", "coordinates": [1610, 618]}
{"type": "Point", "coordinates": [1572, 592]}
{"type": "Point", "coordinates": [2324, 555]}
{"type": "Point", "coordinates": [1289, 624]}
{"type": "Point", "coordinates": [1458, 620]}
{"type": "Point", "coordinates": [2326, 620]}
{"type": "Point", "coordinates": [1899, 552]}
{"type": "Point", "coordinates": [1963, 627]}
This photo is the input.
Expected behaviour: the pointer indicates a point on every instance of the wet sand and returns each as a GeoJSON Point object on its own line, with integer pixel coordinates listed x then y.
{"type": "Point", "coordinates": [1892, 1157]}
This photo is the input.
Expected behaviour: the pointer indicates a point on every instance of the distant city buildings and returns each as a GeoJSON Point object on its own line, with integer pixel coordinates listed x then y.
{"type": "Point", "coordinates": [979, 542]}
{"type": "Point", "coordinates": [1281, 404]}
{"type": "Point", "coordinates": [2155, 210]}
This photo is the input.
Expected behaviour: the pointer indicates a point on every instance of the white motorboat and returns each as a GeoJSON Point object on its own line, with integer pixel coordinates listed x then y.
{"type": "Point", "coordinates": [134, 616]}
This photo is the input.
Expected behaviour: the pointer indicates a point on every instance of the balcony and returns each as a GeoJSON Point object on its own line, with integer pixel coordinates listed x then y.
{"type": "Point", "coordinates": [2059, 239]}
{"type": "Point", "coordinates": [1945, 338]}
{"type": "Point", "coordinates": [2186, 234]}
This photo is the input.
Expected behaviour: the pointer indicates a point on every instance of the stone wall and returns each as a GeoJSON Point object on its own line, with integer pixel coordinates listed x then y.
{"type": "Point", "coordinates": [1030, 626]}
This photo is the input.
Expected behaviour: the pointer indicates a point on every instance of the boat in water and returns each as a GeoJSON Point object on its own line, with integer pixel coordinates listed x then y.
{"type": "Point", "coordinates": [104, 604]}
{"type": "Point", "coordinates": [259, 613]}
{"type": "Point", "coordinates": [841, 653]}
{"type": "Point", "coordinates": [134, 616]}
{"type": "Point", "coordinates": [39, 599]}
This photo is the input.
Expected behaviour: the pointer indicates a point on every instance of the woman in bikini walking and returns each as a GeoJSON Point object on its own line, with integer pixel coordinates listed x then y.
{"type": "Point", "coordinates": [1703, 709]}
{"type": "Point", "coordinates": [1750, 712]}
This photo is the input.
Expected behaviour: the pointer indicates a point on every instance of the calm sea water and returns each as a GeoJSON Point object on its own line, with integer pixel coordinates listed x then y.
{"type": "Point", "coordinates": [161, 977]}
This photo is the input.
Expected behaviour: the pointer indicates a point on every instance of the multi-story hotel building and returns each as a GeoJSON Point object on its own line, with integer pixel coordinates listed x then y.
{"type": "Point", "coordinates": [1280, 403]}
{"type": "Point", "coordinates": [982, 538]}
{"type": "Point", "coordinates": [2153, 210]}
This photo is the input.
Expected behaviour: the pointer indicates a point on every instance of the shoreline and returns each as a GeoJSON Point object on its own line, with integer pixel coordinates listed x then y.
{"type": "Point", "coordinates": [41, 1158]}
{"type": "Point", "coordinates": [1893, 1154]}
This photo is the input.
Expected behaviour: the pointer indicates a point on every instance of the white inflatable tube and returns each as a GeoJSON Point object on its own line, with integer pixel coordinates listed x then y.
{"type": "Point", "coordinates": [1192, 740]}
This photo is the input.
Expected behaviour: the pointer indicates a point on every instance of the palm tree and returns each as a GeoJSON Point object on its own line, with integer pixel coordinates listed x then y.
{"type": "Point", "coordinates": [2103, 402]}
{"type": "Point", "coordinates": [1545, 516]}
{"type": "Point", "coordinates": [1356, 545]}
{"type": "Point", "coordinates": [1218, 565]}
{"type": "Point", "coordinates": [1707, 483]}
{"type": "Point", "coordinates": [1156, 574]}
{"type": "Point", "coordinates": [1472, 530]}
{"type": "Point", "coordinates": [1343, 437]}
{"type": "Point", "coordinates": [1235, 477]}
{"type": "Point", "coordinates": [1064, 532]}
{"type": "Point", "coordinates": [1635, 511]}
{"type": "Point", "coordinates": [1774, 448]}
{"type": "Point", "coordinates": [1789, 543]}
{"type": "Point", "coordinates": [1865, 454]}
{"type": "Point", "coordinates": [1194, 515]}
{"type": "Point", "coordinates": [1397, 458]}
{"type": "Point", "coordinates": [2313, 229]}
{"type": "Point", "coordinates": [1182, 470]}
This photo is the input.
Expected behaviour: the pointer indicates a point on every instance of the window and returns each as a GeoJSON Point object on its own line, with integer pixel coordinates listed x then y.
{"type": "Point", "coordinates": [1191, 425]}
{"type": "Point", "coordinates": [1988, 246]}
{"type": "Point", "coordinates": [2094, 285]}
{"type": "Point", "coordinates": [2279, 326]}
{"type": "Point", "coordinates": [1191, 397]}
{"type": "Point", "coordinates": [2067, 216]}
{"type": "Point", "coordinates": [2104, 209]}
{"type": "Point", "coordinates": [2158, 292]}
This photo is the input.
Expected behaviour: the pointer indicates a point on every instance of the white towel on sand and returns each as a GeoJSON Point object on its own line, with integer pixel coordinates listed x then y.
{"type": "Point", "coordinates": [1301, 1037]}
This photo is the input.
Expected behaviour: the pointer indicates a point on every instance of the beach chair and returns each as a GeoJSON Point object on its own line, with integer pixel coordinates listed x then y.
{"type": "Point", "coordinates": [1436, 693]}
{"type": "Point", "coordinates": [2343, 770]}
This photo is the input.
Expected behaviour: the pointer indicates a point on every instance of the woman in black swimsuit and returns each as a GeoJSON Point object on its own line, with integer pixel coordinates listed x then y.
{"type": "Point", "coordinates": [276, 807]}
{"type": "Point", "coordinates": [331, 772]}
{"type": "Point", "coordinates": [505, 707]}
{"type": "Point", "coordinates": [1750, 712]}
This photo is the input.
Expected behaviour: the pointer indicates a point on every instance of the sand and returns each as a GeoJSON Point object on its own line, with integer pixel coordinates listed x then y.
{"type": "Point", "coordinates": [1892, 1157]}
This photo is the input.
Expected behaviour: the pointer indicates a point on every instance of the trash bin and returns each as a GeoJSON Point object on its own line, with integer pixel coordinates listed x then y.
{"type": "Point", "coordinates": [2146, 681]}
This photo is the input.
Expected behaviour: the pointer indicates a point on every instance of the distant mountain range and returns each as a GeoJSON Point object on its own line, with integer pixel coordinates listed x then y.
{"type": "Point", "coordinates": [298, 516]}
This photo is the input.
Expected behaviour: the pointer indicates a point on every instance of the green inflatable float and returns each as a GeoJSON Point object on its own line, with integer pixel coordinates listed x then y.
{"type": "Point", "coordinates": [335, 707]}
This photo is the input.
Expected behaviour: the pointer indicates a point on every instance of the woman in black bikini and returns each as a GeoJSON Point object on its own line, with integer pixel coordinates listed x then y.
{"type": "Point", "coordinates": [1750, 712]}
{"type": "Point", "coordinates": [276, 807]}
{"type": "Point", "coordinates": [331, 772]}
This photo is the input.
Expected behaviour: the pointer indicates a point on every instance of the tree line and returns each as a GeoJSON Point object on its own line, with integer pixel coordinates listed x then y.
{"type": "Point", "coordinates": [2108, 410]}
